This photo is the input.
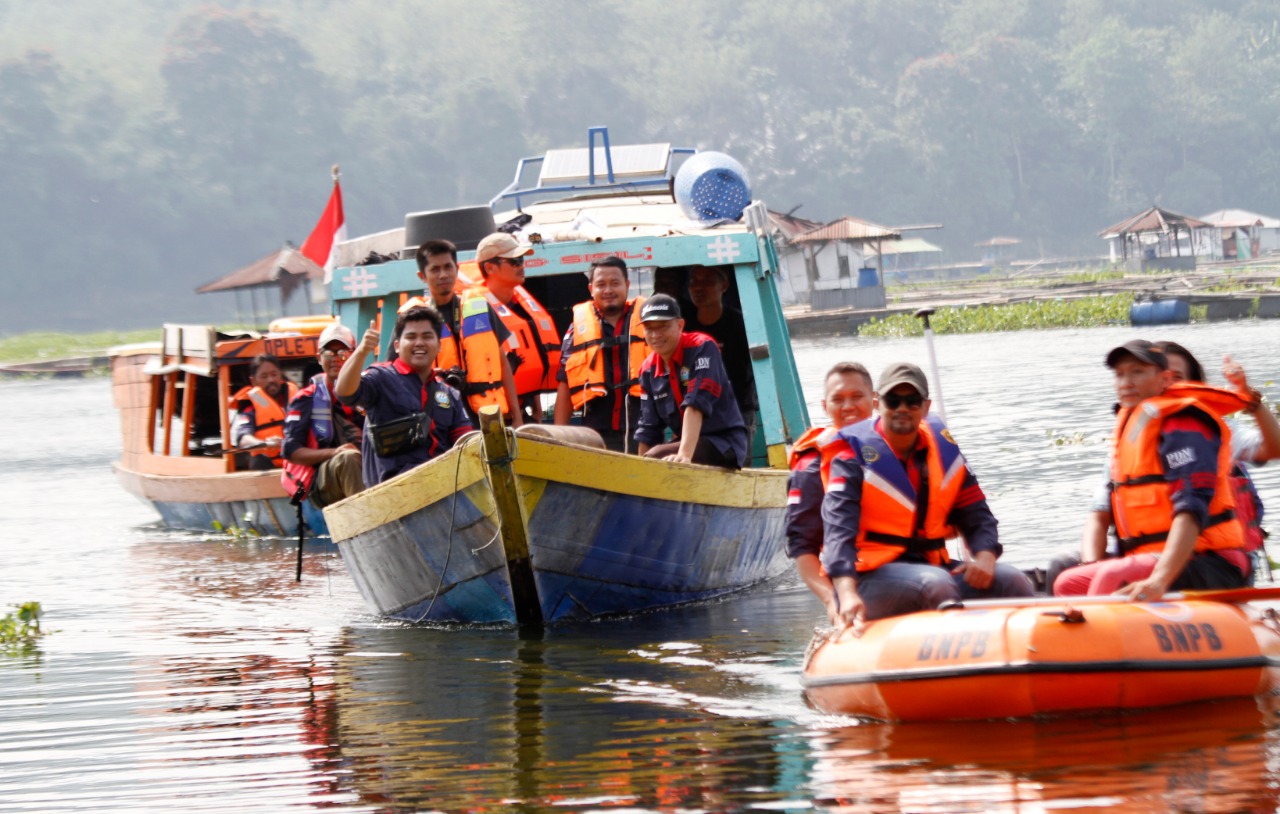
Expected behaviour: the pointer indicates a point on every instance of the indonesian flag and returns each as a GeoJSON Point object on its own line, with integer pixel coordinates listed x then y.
{"type": "Point", "coordinates": [331, 229]}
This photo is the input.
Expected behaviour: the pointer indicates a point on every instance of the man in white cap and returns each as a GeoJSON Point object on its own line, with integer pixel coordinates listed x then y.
{"type": "Point", "coordinates": [322, 436]}
{"type": "Point", "coordinates": [533, 351]}
{"type": "Point", "coordinates": [898, 488]}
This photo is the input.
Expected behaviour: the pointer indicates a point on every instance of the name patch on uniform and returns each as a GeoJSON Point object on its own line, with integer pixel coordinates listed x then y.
{"type": "Point", "coordinates": [703, 364]}
{"type": "Point", "coordinates": [442, 398]}
{"type": "Point", "coordinates": [870, 455]}
{"type": "Point", "coordinates": [1180, 457]}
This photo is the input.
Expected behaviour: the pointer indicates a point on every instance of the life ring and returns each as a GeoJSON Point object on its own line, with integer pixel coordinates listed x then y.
{"type": "Point", "coordinates": [307, 326]}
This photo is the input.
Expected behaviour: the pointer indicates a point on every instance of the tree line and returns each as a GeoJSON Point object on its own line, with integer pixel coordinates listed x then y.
{"type": "Point", "coordinates": [147, 149]}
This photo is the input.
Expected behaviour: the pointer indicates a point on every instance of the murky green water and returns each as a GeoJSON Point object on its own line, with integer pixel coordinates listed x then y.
{"type": "Point", "coordinates": [195, 674]}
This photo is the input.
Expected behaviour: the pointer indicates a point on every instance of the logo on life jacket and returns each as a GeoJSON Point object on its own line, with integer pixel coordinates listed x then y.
{"type": "Point", "coordinates": [947, 435]}
{"type": "Point", "coordinates": [442, 398]}
{"type": "Point", "coordinates": [869, 454]}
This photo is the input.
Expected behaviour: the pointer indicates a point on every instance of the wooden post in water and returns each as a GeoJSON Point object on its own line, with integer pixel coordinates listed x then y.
{"type": "Point", "coordinates": [512, 516]}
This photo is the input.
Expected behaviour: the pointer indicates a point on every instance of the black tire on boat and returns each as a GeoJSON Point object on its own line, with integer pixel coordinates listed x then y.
{"type": "Point", "coordinates": [465, 227]}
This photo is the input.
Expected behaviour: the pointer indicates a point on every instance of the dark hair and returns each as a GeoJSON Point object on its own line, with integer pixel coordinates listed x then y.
{"type": "Point", "coordinates": [261, 359]}
{"type": "Point", "coordinates": [418, 313]}
{"type": "Point", "coordinates": [848, 367]}
{"type": "Point", "coordinates": [1195, 371]}
{"type": "Point", "coordinates": [434, 247]}
{"type": "Point", "coordinates": [721, 271]}
{"type": "Point", "coordinates": [608, 262]}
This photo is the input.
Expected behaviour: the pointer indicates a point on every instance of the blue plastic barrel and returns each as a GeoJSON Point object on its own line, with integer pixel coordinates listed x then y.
{"type": "Point", "coordinates": [712, 186]}
{"type": "Point", "coordinates": [1160, 312]}
{"type": "Point", "coordinates": [867, 278]}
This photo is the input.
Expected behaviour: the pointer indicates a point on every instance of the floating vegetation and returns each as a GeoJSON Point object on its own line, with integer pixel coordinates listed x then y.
{"type": "Point", "coordinates": [1087, 312]}
{"type": "Point", "coordinates": [20, 628]}
{"type": "Point", "coordinates": [1063, 439]}
{"type": "Point", "coordinates": [239, 533]}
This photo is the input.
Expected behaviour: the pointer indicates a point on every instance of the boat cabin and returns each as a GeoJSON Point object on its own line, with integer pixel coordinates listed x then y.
{"type": "Point", "coordinates": [176, 397]}
{"type": "Point", "coordinates": [659, 208]}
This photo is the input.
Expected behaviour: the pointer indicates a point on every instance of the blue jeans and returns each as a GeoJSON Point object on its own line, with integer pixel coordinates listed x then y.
{"type": "Point", "coordinates": [903, 587]}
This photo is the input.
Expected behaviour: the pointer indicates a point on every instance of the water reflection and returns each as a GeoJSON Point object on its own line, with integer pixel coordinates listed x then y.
{"type": "Point", "coordinates": [1205, 758]}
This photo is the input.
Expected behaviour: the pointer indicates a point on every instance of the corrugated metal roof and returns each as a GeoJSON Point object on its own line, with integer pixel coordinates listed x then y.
{"type": "Point", "coordinates": [267, 271]}
{"type": "Point", "coordinates": [1000, 241]}
{"type": "Point", "coordinates": [1234, 218]}
{"type": "Point", "coordinates": [1154, 219]}
{"type": "Point", "coordinates": [909, 245]}
{"type": "Point", "coordinates": [848, 228]}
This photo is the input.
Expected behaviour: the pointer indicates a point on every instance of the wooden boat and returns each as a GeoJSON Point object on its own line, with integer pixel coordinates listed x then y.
{"type": "Point", "coordinates": [177, 455]}
{"type": "Point", "coordinates": [523, 529]}
{"type": "Point", "coordinates": [1016, 659]}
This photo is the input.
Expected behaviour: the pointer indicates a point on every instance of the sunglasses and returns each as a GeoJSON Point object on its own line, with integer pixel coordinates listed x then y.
{"type": "Point", "coordinates": [344, 355]}
{"type": "Point", "coordinates": [893, 401]}
{"type": "Point", "coordinates": [515, 262]}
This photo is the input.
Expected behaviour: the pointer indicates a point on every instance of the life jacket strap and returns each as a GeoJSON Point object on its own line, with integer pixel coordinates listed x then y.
{"type": "Point", "coordinates": [916, 545]}
{"type": "Point", "coordinates": [1128, 544]}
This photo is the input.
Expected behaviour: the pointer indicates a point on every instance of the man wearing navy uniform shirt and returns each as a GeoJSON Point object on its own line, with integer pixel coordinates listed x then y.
{"type": "Point", "coordinates": [411, 416]}
{"type": "Point", "coordinates": [685, 389]}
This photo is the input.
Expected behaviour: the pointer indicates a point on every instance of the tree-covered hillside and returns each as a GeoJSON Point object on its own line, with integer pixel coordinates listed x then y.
{"type": "Point", "coordinates": [147, 147]}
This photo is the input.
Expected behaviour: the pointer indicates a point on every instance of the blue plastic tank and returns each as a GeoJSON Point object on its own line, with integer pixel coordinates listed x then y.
{"type": "Point", "coordinates": [867, 277]}
{"type": "Point", "coordinates": [1160, 312]}
{"type": "Point", "coordinates": [712, 186]}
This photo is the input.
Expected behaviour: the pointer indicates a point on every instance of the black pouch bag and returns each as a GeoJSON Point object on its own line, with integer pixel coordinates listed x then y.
{"type": "Point", "coordinates": [401, 435]}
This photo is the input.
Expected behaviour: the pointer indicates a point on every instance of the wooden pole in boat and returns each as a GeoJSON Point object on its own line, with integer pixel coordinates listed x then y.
{"type": "Point", "coordinates": [511, 514]}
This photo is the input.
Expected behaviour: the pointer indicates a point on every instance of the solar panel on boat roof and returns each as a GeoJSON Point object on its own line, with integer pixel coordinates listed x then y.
{"type": "Point", "coordinates": [629, 160]}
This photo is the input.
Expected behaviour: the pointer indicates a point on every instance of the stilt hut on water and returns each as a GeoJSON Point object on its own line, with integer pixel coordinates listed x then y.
{"type": "Point", "coordinates": [1151, 240]}
{"type": "Point", "coordinates": [285, 272]}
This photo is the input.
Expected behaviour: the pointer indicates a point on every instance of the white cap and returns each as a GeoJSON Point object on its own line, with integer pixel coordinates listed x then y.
{"type": "Point", "coordinates": [338, 332]}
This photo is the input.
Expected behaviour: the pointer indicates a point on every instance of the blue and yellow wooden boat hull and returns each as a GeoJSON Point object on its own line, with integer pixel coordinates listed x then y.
{"type": "Point", "coordinates": [608, 534]}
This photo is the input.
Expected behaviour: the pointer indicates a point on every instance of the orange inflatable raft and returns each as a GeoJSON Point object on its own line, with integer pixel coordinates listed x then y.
{"type": "Point", "coordinates": [1016, 659]}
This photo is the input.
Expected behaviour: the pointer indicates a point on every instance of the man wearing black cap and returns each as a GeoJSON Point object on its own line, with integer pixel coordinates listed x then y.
{"type": "Point", "coordinates": [1171, 499]}
{"type": "Point", "coordinates": [897, 489]}
{"type": "Point", "coordinates": [684, 388]}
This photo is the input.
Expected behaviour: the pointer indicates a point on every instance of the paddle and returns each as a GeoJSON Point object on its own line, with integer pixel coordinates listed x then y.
{"type": "Point", "coordinates": [923, 314]}
{"type": "Point", "coordinates": [1230, 595]}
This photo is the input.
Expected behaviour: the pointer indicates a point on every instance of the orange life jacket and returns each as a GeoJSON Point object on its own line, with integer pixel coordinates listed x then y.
{"type": "Point", "coordinates": [584, 367]}
{"type": "Point", "coordinates": [268, 419]}
{"type": "Point", "coordinates": [811, 442]}
{"type": "Point", "coordinates": [889, 527]}
{"type": "Point", "coordinates": [530, 341]}
{"type": "Point", "coordinates": [233, 401]}
{"type": "Point", "coordinates": [1141, 506]}
{"type": "Point", "coordinates": [481, 354]}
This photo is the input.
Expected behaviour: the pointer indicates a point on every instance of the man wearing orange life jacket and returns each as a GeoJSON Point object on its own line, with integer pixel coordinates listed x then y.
{"type": "Point", "coordinates": [260, 425]}
{"type": "Point", "coordinates": [601, 356]}
{"type": "Point", "coordinates": [1171, 498]}
{"type": "Point", "coordinates": [479, 368]}
{"type": "Point", "coordinates": [322, 437]}
{"type": "Point", "coordinates": [848, 396]}
{"type": "Point", "coordinates": [897, 489]}
{"type": "Point", "coordinates": [534, 348]}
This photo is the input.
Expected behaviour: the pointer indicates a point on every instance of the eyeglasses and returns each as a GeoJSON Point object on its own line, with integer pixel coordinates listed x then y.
{"type": "Point", "coordinates": [893, 401]}
{"type": "Point", "coordinates": [344, 355]}
{"type": "Point", "coordinates": [515, 262]}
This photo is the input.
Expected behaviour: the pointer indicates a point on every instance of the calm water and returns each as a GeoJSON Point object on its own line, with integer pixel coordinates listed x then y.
{"type": "Point", "coordinates": [189, 673]}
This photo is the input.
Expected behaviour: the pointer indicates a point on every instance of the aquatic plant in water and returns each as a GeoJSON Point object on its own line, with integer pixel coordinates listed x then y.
{"type": "Point", "coordinates": [1087, 312]}
{"type": "Point", "coordinates": [20, 628]}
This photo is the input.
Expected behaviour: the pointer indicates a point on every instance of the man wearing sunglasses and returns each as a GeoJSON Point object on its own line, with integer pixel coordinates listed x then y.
{"type": "Point", "coordinates": [321, 435]}
{"type": "Point", "coordinates": [533, 351]}
{"type": "Point", "coordinates": [897, 489]}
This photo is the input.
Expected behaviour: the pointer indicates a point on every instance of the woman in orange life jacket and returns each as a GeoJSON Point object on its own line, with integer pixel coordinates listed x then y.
{"type": "Point", "coordinates": [1108, 575]}
{"type": "Point", "coordinates": [260, 424]}
{"type": "Point", "coordinates": [897, 489]}
{"type": "Point", "coordinates": [848, 396]}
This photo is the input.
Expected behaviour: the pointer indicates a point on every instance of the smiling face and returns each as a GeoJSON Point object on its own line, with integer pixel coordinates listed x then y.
{"type": "Point", "coordinates": [439, 274]}
{"type": "Point", "coordinates": [1136, 380]}
{"type": "Point", "coordinates": [418, 345]}
{"type": "Point", "coordinates": [848, 398]}
{"type": "Point", "coordinates": [332, 357]}
{"type": "Point", "coordinates": [902, 409]}
{"type": "Point", "coordinates": [663, 335]}
{"type": "Point", "coordinates": [608, 291]}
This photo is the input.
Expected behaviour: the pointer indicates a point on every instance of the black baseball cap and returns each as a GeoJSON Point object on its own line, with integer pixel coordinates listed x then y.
{"type": "Point", "coordinates": [903, 373]}
{"type": "Point", "coordinates": [660, 307]}
{"type": "Point", "coordinates": [1139, 349]}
